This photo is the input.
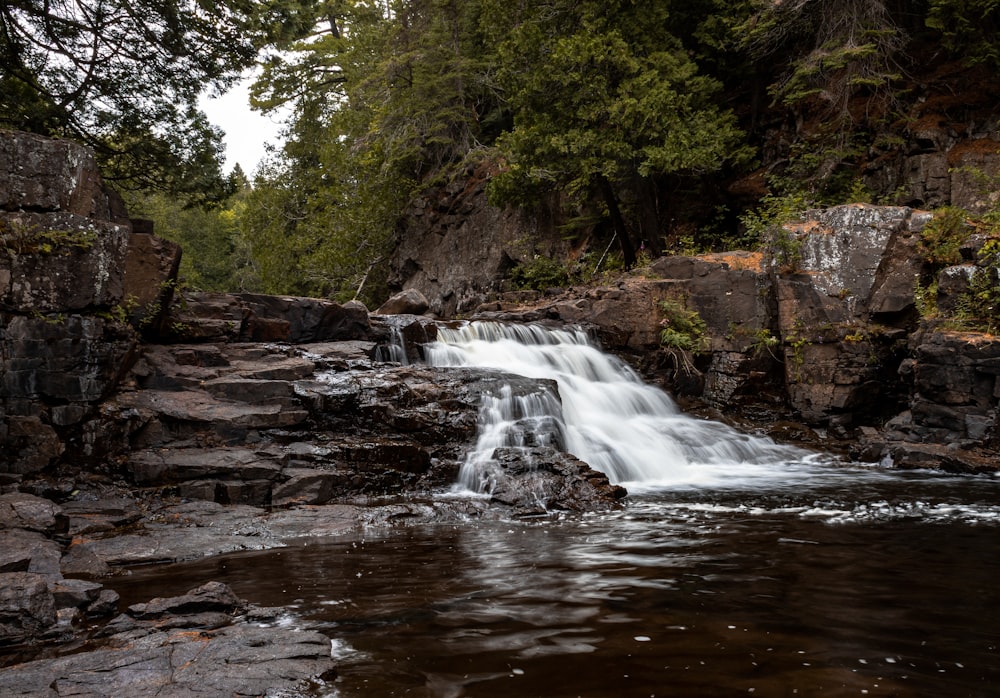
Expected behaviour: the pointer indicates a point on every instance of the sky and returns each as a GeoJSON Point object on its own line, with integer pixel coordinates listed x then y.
{"type": "Point", "coordinates": [246, 131]}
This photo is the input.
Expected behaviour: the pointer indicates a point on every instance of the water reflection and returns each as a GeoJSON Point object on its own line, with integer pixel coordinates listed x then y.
{"type": "Point", "coordinates": [884, 585]}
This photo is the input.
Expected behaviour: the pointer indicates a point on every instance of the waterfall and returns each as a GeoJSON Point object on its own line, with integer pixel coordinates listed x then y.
{"type": "Point", "coordinates": [395, 349]}
{"type": "Point", "coordinates": [603, 414]}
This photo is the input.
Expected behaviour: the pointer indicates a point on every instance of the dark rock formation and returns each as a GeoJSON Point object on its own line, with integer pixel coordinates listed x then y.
{"type": "Point", "coordinates": [64, 239]}
{"type": "Point", "coordinates": [408, 302]}
{"type": "Point", "coordinates": [458, 249]}
{"type": "Point", "coordinates": [541, 480]}
{"type": "Point", "coordinates": [201, 643]}
{"type": "Point", "coordinates": [151, 266]}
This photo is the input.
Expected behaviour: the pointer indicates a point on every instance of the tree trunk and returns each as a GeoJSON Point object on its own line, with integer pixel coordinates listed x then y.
{"type": "Point", "coordinates": [617, 222]}
{"type": "Point", "coordinates": [648, 214]}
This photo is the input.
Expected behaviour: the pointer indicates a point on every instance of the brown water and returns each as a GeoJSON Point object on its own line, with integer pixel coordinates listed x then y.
{"type": "Point", "coordinates": [818, 581]}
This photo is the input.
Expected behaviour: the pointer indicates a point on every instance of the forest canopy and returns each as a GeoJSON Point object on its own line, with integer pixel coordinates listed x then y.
{"type": "Point", "coordinates": [124, 78]}
{"type": "Point", "coordinates": [628, 120]}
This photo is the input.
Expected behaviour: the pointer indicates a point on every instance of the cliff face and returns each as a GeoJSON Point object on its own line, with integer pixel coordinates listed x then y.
{"type": "Point", "coordinates": [457, 249]}
{"type": "Point", "coordinates": [64, 238]}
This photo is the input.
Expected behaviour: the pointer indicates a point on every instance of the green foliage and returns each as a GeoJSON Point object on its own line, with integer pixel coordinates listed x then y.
{"type": "Point", "coordinates": [942, 238]}
{"type": "Point", "coordinates": [682, 328]}
{"type": "Point", "coordinates": [968, 29]}
{"type": "Point", "coordinates": [213, 255]}
{"type": "Point", "coordinates": [979, 306]}
{"type": "Point", "coordinates": [22, 239]}
{"type": "Point", "coordinates": [124, 78]}
{"type": "Point", "coordinates": [765, 228]}
{"type": "Point", "coordinates": [836, 49]}
{"type": "Point", "coordinates": [540, 273]}
{"type": "Point", "coordinates": [604, 97]}
{"type": "Point", "coordinates": [925, 297]}
{"type": "Point", "coordinates": [764, 342]}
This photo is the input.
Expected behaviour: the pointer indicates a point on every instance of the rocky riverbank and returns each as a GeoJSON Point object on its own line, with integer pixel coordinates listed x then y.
{"type": "Point", "coordinates": [141, 428]}
{"type": "Point", "coordinates": [138, 428]}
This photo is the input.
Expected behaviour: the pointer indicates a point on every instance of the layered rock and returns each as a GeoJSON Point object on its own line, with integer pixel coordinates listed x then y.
{"type": "Point", "coordinates": [205, 642]}
{"type": "Point", "coordinates": [846, 301]}
{"type": "Point", "coordinates": [62, 262]}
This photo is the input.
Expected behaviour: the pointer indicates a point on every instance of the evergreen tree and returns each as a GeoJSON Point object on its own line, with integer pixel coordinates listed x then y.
{"type": "Point", "coordinates": [124, 78]}
{"type": "Point", "coordinates": [606, 100]}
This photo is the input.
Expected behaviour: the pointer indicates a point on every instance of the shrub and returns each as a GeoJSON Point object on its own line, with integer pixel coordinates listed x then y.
{"type": "Point", "coordinates": [683, 328]}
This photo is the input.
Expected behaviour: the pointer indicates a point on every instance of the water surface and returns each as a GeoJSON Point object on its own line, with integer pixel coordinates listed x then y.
{"type": "Point", "coordinates": [852, 581]}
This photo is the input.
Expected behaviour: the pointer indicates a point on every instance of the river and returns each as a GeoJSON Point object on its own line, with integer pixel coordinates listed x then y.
{"type": "Point", "coordinates": [737, 566]}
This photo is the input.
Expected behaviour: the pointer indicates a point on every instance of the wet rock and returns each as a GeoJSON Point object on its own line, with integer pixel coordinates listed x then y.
{"type": "Point", "coordinates": [178, 465]}
{"type": "Point", "coordinates": [211, 597]}
{"type": "Point", "coordinates": [248, 317]}
{"type": "Point", "coordinates": [75, 593]}
{"type": "Point", "coordinates": [540, 480]}
{"type": "Point", "coordinates": [27, 607]}
{"type": "Point", "coordinates": [184, 532]}
{"type": "Point", "coordinates": [95, 515]}
{"type": "Point", "coordinates": [308, 486]}
{"type": "Point", "coordinates": [235, 660]}
{"type": "Point", "coordinates": [105, 604]}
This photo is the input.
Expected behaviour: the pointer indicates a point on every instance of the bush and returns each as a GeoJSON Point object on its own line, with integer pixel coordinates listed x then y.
{"type": "Point", "coordinates": [942, 238]}
{"type": "Point", "coordinates": [683, 328]}
{"type": "Point", "coordinates": [540, 273]}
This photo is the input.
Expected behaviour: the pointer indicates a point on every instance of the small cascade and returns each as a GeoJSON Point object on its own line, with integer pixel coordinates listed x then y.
{"type": "Point", "coordinates": [604, 413]}
{"type": "Point", "coordinates": [395, 349]}
{"type": "Point", "coordinates": [509, 420]}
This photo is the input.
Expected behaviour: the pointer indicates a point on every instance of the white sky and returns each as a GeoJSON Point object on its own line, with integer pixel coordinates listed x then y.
{"type": "Point", "coordinates": [246, 131]}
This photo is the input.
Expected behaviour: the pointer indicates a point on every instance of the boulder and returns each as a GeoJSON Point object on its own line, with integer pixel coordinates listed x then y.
{"type": "Point", "coordinates": [27, 607]}
{"type": "Point", "coordinates": [50, 175]}
{"type": "Point", "coordinates": [28, 551]}
{"type": "Point", "coordinates": [249, 317]}
{"type": "Point", "coordinates": [28, 512]}
{"type": "Point", "coordinates": [407, 302]}
{"type": "Point", "coordinates": [540, 480]}
{"type": "Point", "coordinates": [150, 277]}
{"type": "Point", "coordinates": [209, 597]}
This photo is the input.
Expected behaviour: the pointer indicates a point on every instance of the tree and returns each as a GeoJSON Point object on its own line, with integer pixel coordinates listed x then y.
{"type": "Point", "coordinates": [606, 100]}
{"type": "Point", "coordinates": [836, 49]}
{"type": "Point", "coordinates": [385, 100]}
{"type": "Point", "coordinates": [968, 29]}
{"type": "Point", "coordinates": [124, 78]}
{"type": "Point", "coordinates": [214, 254]}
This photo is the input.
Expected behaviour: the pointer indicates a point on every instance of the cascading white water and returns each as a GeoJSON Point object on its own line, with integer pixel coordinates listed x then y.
{"type": "Point", "coordinates": [604, 413]}
{"type": "Point", "coordinates": [395, 349]}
